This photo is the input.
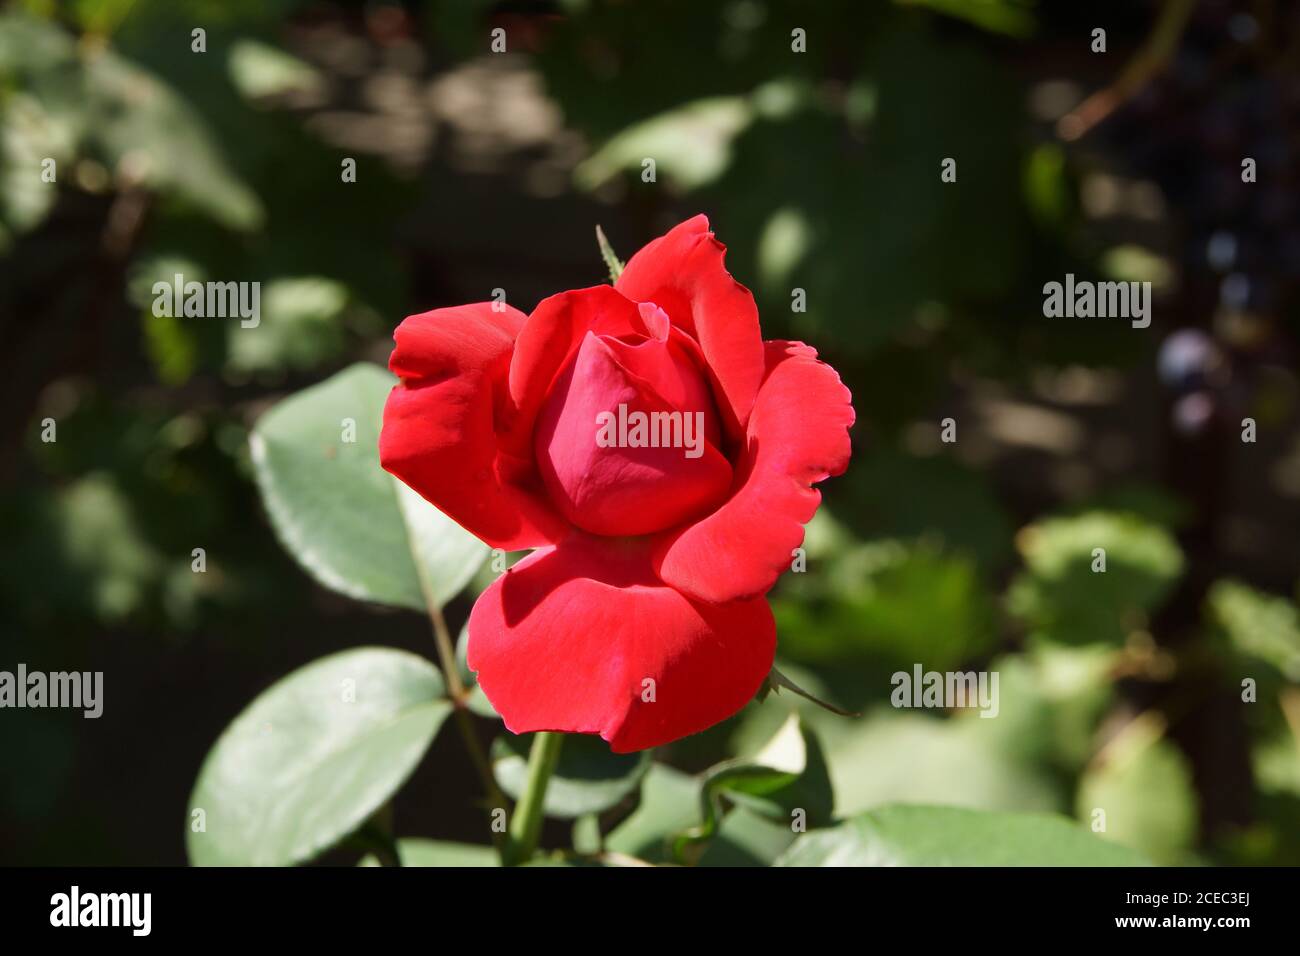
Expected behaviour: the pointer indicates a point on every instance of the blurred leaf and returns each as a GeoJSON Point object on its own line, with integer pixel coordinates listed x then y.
{"type": "Point", "coordinates": [420, 852]}
{"type": "Point", "coordinates": [352, 526]}
{"type": "Point", "coordinates": [589, 777]}
{"type": "Point", "coordinates": [27, 138]}
{"type": "Point", "coordinates": [1051, 701]}
{"type": "Point", "coordinates": [690, 144]}
{"type": "Point", "coordinates": [104, 545]}
{"type": "Point", "coordinates": [299, 327]}
{"type": "Point", "coordinates": [1276, 762]}
{"type": "Point", "coordinates": [125, 118]}
{"type": "Point", "coordinates": [1048, 192]}
{"type": "Point", "coordinates": [1133, 263]}
{"type": "Point", "coordinates": [259, 69]}
{"type": "Point", "coordinates": [670, 803]}
{"type": "Point", "coordinates": [1144, 786]}
{"type": "Point", "coordinates": [1259, 625]}
{"type": "Point", "coordinates": [746, 838]}
{"type": "Point", "coordinates": [171, 347]}
{"type": "Point", "coordinates": [1061, 598]}
{"type": "Point", "coordinates": [1012, 17]}
{"type": "Point", "coordinates": [892, 757]}
{"type": "Point", "coordinates": [142, 129]}
{"type": "Point", "coordinates": [313, 756]}
{"type": "Point", "coordinates": [944, 836]}
{"type": "Point", "coordinates": [783, 245]}
{"type": "Point", "coordinates": [587, 838]}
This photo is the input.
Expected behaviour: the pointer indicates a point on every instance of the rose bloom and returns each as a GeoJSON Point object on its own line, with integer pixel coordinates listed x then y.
{"type": "Point", "coordinates": [642, 614]}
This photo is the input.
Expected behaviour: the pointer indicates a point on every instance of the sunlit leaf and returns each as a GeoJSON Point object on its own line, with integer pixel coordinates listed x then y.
{"type": "Point", "coordinates": [312, 757]}
{"type": "Point", "coordinates": [349, 523]}
{"type": "Point", "coordinates": [945, 836]}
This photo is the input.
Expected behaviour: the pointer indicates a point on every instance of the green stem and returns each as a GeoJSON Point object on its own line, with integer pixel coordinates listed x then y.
{"type": "Point", "coordinates": [464, 722]}
{"type": "Point", "coordinates": [526, 823]}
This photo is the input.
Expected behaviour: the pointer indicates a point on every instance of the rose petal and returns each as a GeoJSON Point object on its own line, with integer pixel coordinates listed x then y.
{"type": "Point", "coordinates": [441, 423]}
{"type": "Point", "coordinates": [547, 342]}
{"type": "Point", "coordinates": [614, 489]}
{"type": "Point", "coordinates": [683, 273]}
{"type": "Point", "coordinates": [797, 435]}
{"type": "Point", "coordinates": [568, 639]}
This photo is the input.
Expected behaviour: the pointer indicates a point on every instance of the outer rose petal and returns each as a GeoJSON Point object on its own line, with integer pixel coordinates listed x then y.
{"type": "Point", "coordinates": [682, 272]}
{"type": "Point", "coordinates": [797, 435]}
{"type": "Point", "coordinates": [441, 424]}
{"type": "Point", "coordinates": [565, 639]}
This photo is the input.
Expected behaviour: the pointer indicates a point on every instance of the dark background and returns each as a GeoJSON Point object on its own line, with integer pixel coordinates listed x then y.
{"type": "Point", "coordinates": [819, 171]}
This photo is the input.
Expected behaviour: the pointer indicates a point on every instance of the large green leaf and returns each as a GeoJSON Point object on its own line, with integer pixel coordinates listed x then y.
{"type": "Point", "coordinates": [354, 527]}
{"type": "Point", "coordinates": [313, 756]}
{"type": "Point", "coordinates": [419, 852]}
{"type": "Point", "coordinates": [903, 835]}
{"type": "Point", "coordinates": [589, 777]}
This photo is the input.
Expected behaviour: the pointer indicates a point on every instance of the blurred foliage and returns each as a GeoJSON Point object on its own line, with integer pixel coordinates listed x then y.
{"type": "Point", "coordinates": [1092, 577]}
{"type": "Point", "coordinates": [1258, 625]}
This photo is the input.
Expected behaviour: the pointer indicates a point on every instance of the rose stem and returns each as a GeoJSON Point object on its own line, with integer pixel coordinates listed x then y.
{"type": "Point", "coordinates": [526, 823]}
{"type": "Point", "coordinates": [464, 722]}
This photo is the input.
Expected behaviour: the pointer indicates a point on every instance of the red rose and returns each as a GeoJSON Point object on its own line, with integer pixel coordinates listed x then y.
{"type": "Point", "coordinates": [641, 616]}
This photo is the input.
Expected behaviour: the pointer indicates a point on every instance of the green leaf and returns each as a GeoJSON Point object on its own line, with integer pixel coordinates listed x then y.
{"type": "Point", "coordinates": [670, 803]}
{"type": "Point", "coordinates": [589, 777]}
{"type": "Point", "coordinates": [1062, 598]}
{"type": "Point", "coordinates": [1257, 624]}
{"type": "Point", "coordinates": [259, 69]}
{"type": "Point", "coordinates": [587, 837]}
{"type": "Point", "coordinates": [1012, 17]}
{"type": "Point", "coordinates": [907, 757]}
{"type": "Point", "coordinates": [746, 838]}
{"type": "Point", "coordinates": [1144, 787]}
{"type": "Point", "coordinates": [134, 116]}
{"type": "Point", "coordinates": [903, 835]}
{"type": "Point", "coordinates": [691, 143]}
{"type": "Point", "coordinates": [313, 756]}
{"type": "Point", "coordinates": [420, 852]}
{"type": "Point", "coordinates": [352, 526]}
{"type": "Point", "coordinates": [300, 325]}
{"type": "Point", "coordinates": [786, 780]}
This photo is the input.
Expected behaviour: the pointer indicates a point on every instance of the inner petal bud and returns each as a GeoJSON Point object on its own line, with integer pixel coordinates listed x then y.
{"type": "Point", "coordinates": [625, 440]}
